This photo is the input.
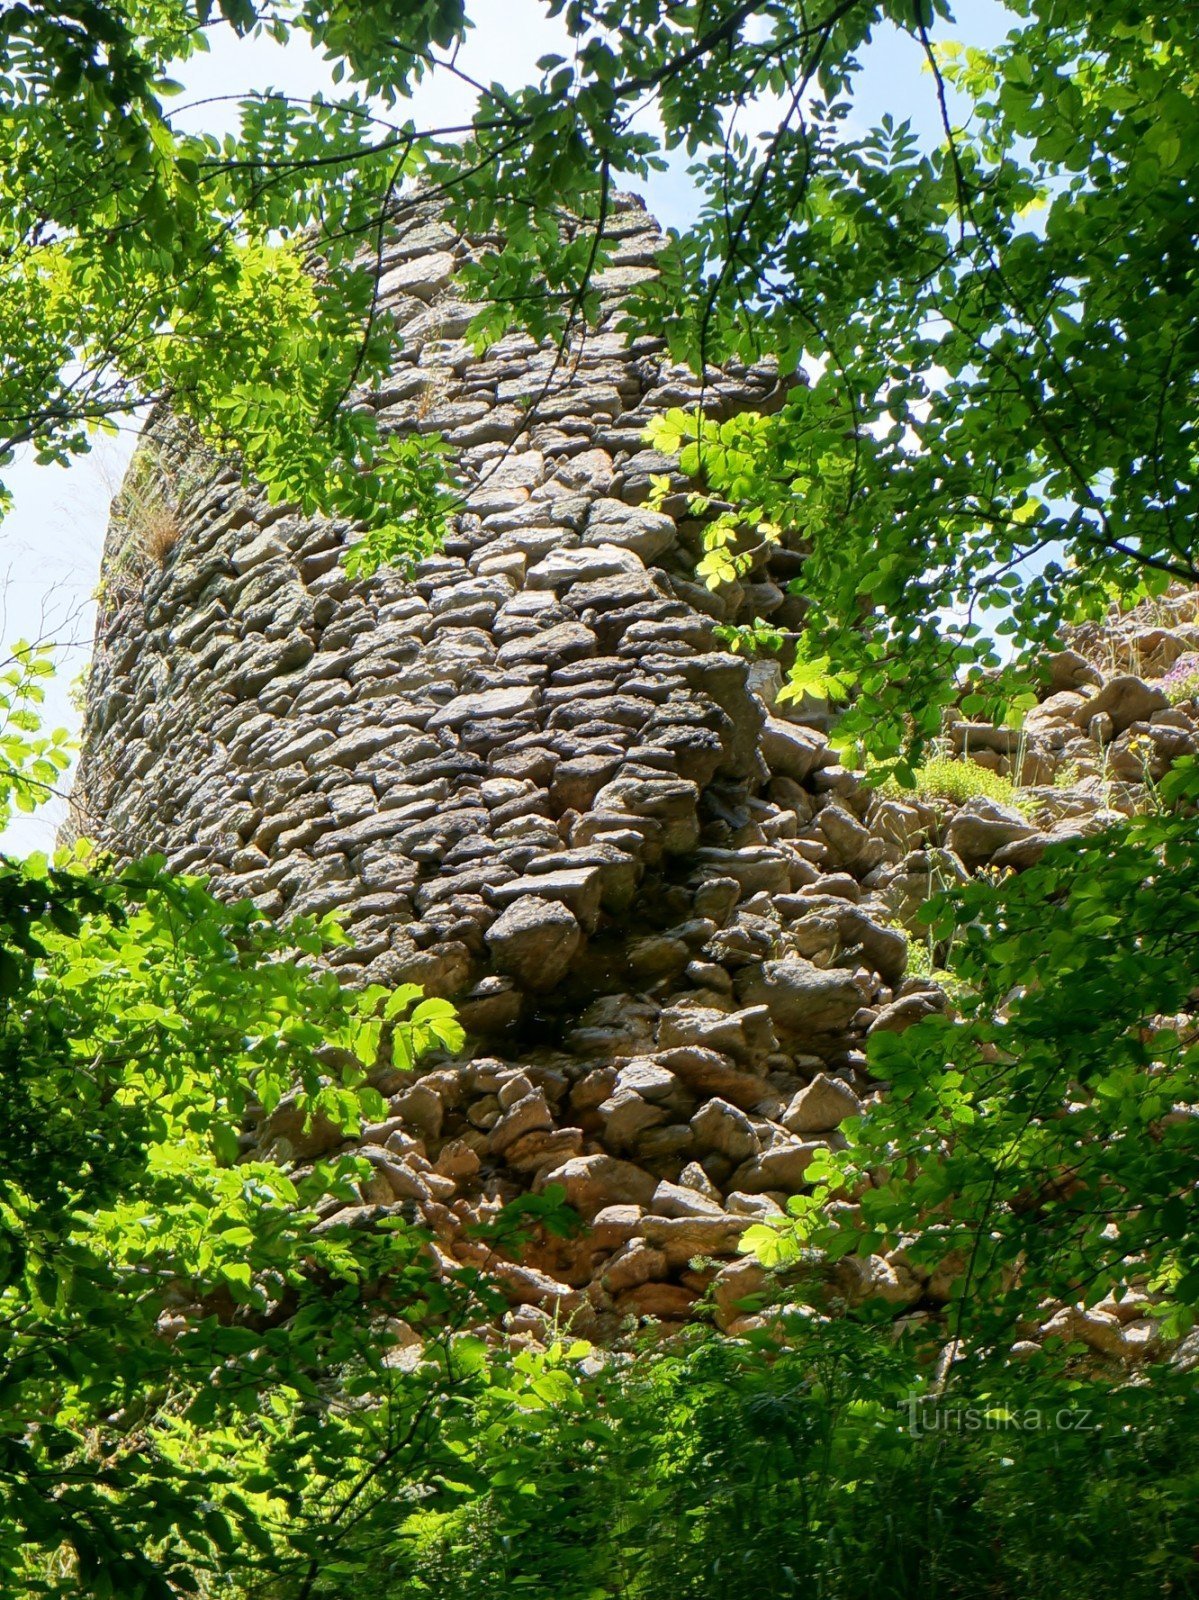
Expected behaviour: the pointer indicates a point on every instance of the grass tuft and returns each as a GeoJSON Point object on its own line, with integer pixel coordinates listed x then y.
{"type": "Point", "coordinates": [945, 778]}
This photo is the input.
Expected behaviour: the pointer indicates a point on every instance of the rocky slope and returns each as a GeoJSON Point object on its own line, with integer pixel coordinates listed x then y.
{"type": "Point", "coordinates": [530, 779]}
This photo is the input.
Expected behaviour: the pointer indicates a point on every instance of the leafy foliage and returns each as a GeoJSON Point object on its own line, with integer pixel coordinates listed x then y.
{"type": "Point", "coordinates": [200, 1364]}
{"type": "Point", "coordinates": [31, 761]}
{"type": "Point", "coordinates": [813, 1463]}
{"type": "Point", "coordinates": [1039, 1147]}
{"type": "Point", "coordinates": [997, 331]}
{"type": "Point", "coordinates": [176, 1326]}
{"type": "Point", "coordinates": [997, 335]}
{"type": "Point", "coordinates": [143, 262]}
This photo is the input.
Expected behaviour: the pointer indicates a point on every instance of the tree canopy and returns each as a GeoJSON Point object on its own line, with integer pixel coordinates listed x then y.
{"type": "Point", "coordinates": [998, 328]}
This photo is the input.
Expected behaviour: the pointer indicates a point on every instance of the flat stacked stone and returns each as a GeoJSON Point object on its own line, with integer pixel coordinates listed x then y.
{"type": "Point", "coordinates": [530, 778]}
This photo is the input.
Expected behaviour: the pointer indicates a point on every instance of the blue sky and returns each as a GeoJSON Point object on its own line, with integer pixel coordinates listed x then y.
{"type": "Point", "coordinates": [50, 543]}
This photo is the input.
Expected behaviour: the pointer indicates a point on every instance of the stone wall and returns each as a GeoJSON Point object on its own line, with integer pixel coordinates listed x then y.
{"type": "Point", "coordinates": [532, 780]}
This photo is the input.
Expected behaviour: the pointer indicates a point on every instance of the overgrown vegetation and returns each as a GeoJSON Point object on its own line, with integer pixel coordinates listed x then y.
{"type": "Point", "coordinates": [1181, 681]}
{"type": "Point", "coordinates": [944, 777]}
{"type": "Point", "coordinates": [145, 511]}
{"type": "Point", "coordinates": [201, 1383]}
{"type": "Point", "coordinates": [177, 1335]}
{"type": "Point", "coordinates": [829, 1468]}
{"type": "Point", "coordinates": [1039, 1142]}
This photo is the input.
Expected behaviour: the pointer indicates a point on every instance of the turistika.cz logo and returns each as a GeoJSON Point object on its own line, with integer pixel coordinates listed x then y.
{"type": "Point", "coordinates": [934, 1414]}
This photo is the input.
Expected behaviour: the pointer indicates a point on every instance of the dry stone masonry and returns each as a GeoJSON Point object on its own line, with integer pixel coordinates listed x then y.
{"type": "Point", "coordinates": [532, 780]}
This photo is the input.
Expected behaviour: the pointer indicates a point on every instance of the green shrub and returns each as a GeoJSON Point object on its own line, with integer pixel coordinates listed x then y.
{"type": "Point", "coordinates": [717, 1468]}
{"type": "Point", "coordinates": [944, 778]}
{"type": "Point", "coordinates": [953, 778]}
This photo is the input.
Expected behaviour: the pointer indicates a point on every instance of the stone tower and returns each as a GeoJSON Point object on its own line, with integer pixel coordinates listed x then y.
{"type": "Point", "coordinates": [530, 779]}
